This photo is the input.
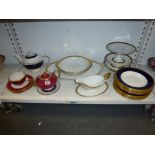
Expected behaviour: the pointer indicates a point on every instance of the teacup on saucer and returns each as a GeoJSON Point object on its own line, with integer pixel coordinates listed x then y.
{"type": "Point", "coordinates": [17, 78]}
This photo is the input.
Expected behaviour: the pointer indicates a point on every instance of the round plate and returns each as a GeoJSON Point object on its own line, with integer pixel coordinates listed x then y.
{"type": "Point", "coordinates": [121, 47]}
{"type": "Point", "coordinates": [24, 88]}
{"type": "Point", "coordinates": [49, 92]}
{"type": "Point", "coordinates": [74, 65]}
{"type": "Point", "coordinates": [90, 93]}
{"type": "Point", "coordinates": [127, 60]}
{"type": "Point", "coordinates": [134, 79]}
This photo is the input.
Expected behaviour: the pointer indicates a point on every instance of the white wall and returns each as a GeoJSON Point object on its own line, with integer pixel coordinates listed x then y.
{"type": "Point", "coordinates": [150, 50]}
{"type": "Point", "coordinates": [5, 46]}
{"type": "Point", "coordinates": [63, 38]}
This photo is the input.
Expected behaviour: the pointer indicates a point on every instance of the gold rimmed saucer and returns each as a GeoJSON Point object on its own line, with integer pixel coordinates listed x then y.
{"type": "Point", "coordinates": [24, 88]}
{"type": "Point", "coordinates": [91, 93]}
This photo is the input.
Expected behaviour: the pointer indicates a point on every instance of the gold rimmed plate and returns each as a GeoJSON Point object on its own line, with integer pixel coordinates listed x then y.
{"type": "Point", "coordinates": [121, 47]}
{"type": "Point", "coordinates": [91, 93]}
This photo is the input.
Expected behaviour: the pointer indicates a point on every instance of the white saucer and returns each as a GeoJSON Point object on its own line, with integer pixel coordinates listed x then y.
{"type": "Point", "coordinates": [49, 92]}
{"type": "Point", "coordinates": [86, 93]}
{"type": "Point", "coordinates": [24, 84]}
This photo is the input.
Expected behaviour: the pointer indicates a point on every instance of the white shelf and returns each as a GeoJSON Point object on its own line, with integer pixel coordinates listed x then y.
{"type": "Point", "coordinates": [66, 93]}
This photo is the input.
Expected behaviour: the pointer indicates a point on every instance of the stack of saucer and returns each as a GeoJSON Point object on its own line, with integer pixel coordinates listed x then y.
{"type": "Point", "coordinates": [19, 82]}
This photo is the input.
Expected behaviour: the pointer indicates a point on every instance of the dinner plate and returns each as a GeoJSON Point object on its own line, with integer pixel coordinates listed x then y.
{"type": "Point", "coordinates": [90, 93]}
{"type": "Point", "coordinates": [74, 65]}
{"type": "Point", "coordinates": [26, 86]}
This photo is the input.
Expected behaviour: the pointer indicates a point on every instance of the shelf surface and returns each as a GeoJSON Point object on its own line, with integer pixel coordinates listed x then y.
{"type": "Point", "coordinates": [66, 93]}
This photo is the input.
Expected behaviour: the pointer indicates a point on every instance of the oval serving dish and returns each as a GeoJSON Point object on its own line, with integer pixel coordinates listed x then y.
{"type": "Point", "coordinates": [74, 65]}
{"type": "Point", "coordinates": [133, 82]}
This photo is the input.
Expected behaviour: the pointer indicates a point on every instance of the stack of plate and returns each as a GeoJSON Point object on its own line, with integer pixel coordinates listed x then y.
{"type": "Point", "coordinates": [133, 83]}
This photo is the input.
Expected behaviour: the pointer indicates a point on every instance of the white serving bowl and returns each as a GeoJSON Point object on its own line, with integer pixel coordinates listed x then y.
{"type": "Point", "coordinates": [74, 65]}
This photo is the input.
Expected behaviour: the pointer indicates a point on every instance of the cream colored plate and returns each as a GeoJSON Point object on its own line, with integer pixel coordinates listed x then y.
{"type": "Point", "coordinates": [134, 79]}
{"type": "Point", "coordinates": [24, 84]}
{"type": "Point", "coordinates": [95, 92]}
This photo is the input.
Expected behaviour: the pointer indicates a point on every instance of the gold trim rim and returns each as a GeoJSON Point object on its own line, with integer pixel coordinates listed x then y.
{"type": "Point", "coordinates": [127, 95]}
{"type": "Point", "coordinates": [73, 73]}
{"type": "Point", "coordinates": [122, 43]}
{"type": "Point", "coordinates": [107, 87]}
{"type": "Point", "coordinates": [132, 90]}
{"type": "Point", "coordinates": [122, 66]}
{"type": "Point", "coordinates": [93, 61]}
